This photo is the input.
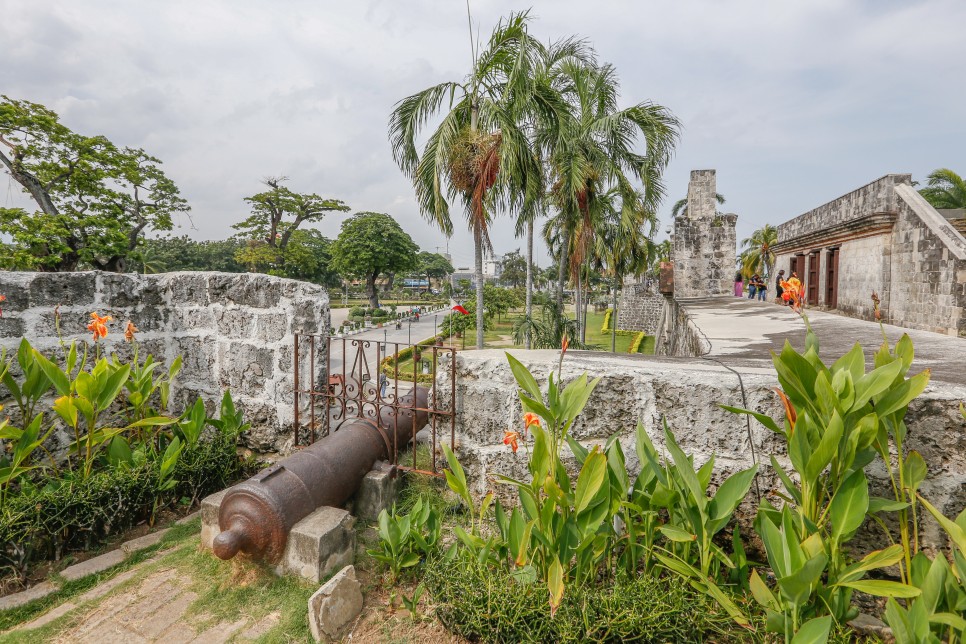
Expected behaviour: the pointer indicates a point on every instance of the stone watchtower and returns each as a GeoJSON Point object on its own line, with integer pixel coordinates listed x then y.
{"type": "Point", "coordinates": [704, 244]}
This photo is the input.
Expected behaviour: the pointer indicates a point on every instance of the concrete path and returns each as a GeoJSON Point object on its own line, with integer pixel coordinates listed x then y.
{"type": "Point", "coordinates": [744, 332]}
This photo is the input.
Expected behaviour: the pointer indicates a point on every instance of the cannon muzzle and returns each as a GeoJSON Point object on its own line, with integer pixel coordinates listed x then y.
{"type": "Point", "coordinates": [256, 515]}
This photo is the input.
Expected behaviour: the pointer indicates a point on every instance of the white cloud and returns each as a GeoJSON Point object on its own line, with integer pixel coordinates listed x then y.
{"type": "Point", "coordinates": [792, 102]}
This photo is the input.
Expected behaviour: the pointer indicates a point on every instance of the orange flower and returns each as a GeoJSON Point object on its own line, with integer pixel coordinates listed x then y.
{"type": "Point", "coordinates": [98, 325]}
{"type": "Point", "coordinates": [564, 344]}
{"type": "Point", "coordinates": [530, 419]}
{"type": "Point", "coordinates": [3, 298]}
{"type": "Point", "coordinates": [511, 438]}
{"type": "Point", "coordinates": [790, 413]}
{"type": "Point", "coordinates": [129, 331]}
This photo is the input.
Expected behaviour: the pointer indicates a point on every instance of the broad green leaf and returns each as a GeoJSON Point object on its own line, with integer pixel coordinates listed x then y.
{"type": "Point", "coordinates": [797, 587]}
{"type": "Point", "coordinates": [955, 532]}
{"type": "Point", "coordinates": [876, 559]}
{"type": "Point", "coordinates": [153, 421]}
{"type": "Point", "coordinates": [882, 588]}
{"type": "Point", "coordinates": [524, 378]}
{"type": "Point", "coordinates": [874, 383]}
{"type": "Point", "coordinates": [761, 592]}
{"type": "Point", "coordinates": [684, 469]}
{"type": "Point", "coordinates": [59, 379]}
{"type": "Point", "coordinates": [676, 534]}
{"type": "Point", "coordinates": [767, 421]}
{"type": "Point", "coordinates": [901, 395]}
{"type": "Point", "coordinates": [814, 631]}
{"type": "Point", "coordinates": [914, 470]}
{"type": "Point", "coordinates": [731, 492]}
{"type": "Point", "coordinates": [949, 619]}
{"type": "Point", "coordinates": [555, 584]}
{"type": "Point", "coordinates": [849, 506]}
{"type": "Point", "coordinates": [827, 447]}
{"type": "Point", "coordinates": [853, 362]}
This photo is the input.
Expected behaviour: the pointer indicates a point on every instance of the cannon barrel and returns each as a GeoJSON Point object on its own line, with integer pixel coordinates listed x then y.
{"type": "Point", "coordinates": [256, 515]}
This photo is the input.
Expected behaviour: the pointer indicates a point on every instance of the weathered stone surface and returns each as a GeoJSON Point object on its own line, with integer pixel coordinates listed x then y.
{"type": "Point", "coordinates": [376, 493]}
{"type": "Point", "coordinates": [141, 543]}
{"type": "Point", "coordinates": [231, 330]}
{"type": "Point", "coordinates": [38, 591]}
{"type": "Point", "coordinates": [319, 544]}
{"type": "Point", "coordinates": [888, 240]}
{"type": "Point", "coordinates": [703, 243]}
{"type": "Point", "coordinates": [93, 566]}
{"type": "Point", "coordinates": [210, 507]}
{"type": "Point", "coordinates": [640, 308]}
{"type": "Point", "coordinates": [335, 605]}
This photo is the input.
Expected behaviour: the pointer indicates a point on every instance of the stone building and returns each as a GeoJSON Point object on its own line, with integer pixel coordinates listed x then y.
{"type": "Point", "coordinates": [882, 237]}
{"type": "Point", "coordinates": [703, 245]}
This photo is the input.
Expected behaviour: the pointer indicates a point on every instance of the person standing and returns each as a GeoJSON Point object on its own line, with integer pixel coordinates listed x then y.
{"type": "Point", "coordinates": [778, 286]}
{"type": "Point", "coordinates": [739, 285]}
{"type": "Point", "coordinates": [753, 286]}
{"type": "Point", "coordinates": [762, 289]}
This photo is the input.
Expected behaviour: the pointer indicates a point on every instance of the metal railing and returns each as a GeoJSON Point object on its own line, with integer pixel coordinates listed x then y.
{"type": "Point", "coordinates": [362, 377]}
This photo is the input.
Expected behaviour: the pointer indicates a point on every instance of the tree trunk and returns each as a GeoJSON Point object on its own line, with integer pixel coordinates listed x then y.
{"type": "Point", "coordinates": [528, 315]}
{"type": "Point", "coordinates": [478, 243]}
{"type": "Point", "coordinates": [372, 291]}
{"type": "Point", "coordinates": [613, 320]}
{"type": "Point", "coordinates": [390, 278]}
{"type": "Point", "coordinates": [586, 302]}
{"type": "Point", "coordinates": [562, 268]}
{"type": "Point", "coordinates": [578, 293]}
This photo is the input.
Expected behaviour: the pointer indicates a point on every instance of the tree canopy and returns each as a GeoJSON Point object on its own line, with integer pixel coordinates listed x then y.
{"type": "Point", "coordinates": [372, 244]}
{"type": "Point", "coordinates": [94, 199]}
{"type": "Point", "coordinates": [433, 266]}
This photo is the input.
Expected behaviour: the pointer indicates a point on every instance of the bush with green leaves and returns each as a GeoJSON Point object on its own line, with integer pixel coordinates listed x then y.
{"type": "Point", "coordinates": [405, 540]}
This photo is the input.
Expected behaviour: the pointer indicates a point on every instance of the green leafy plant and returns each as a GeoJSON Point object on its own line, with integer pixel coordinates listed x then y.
{"type": "Point", "coordinates": [407, 539]}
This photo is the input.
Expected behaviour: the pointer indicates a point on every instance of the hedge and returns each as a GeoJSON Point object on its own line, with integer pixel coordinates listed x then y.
{"type": "Point", "coordinates": [388, 364]}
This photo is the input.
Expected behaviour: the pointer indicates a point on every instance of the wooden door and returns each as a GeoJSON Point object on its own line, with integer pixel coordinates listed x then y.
{"type": "Point", "coordinates": [811, 284]}
{"type": "Point", "coordinates": [832, 278]}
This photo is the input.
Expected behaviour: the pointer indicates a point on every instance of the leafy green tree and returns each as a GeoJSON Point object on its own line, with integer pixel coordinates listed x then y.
{"type": "Point", "coordinates": [945, 189]}
{"type": "Point", "coordinates": [95, 200]}
{"type": "Point", "coordinates": [681, 205]}
{"type": "Point", "coordinates": [480, 152]}
{"type": "Point", "coordinates": [514, 269]}
{"type": "Point", "coordinates": [498, 301]}
{"type": "Point", "coordinates": [757, 255]}
{"type": "Point", "coordinates": [372, 244]}
{"type": "Point", "coordinates": [182, 253]}
{"type": "Point", "coordinates": [433, 266]}
{"type": "Point", "coordinates": [276, 214]}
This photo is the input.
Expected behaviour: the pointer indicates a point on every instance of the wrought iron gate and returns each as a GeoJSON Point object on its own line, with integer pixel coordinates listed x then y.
{"type": "Point", "coordinates": [361, 377]}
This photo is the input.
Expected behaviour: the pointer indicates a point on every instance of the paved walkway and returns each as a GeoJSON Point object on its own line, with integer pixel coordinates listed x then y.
{"type": "Point", "coordinates": [744, 332]}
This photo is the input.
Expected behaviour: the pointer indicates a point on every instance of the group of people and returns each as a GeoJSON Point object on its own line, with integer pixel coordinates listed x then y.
{"type": "Point", "coordinates": [758, 287]}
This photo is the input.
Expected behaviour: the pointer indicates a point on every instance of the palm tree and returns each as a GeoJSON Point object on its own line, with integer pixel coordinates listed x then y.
{"type": "Point", "coordinates": [681, 205]}
{"type": "Point", "coordinates": [593, 154]}
{"type": "Point", "coordinates": [945, 189]}
{"type": "Point", "coordinates": [758, 256]}
{"type": "Point", "coordinates": [479, 153]}
{"type": "Point", "coordinates": [622, 245]}
{"type": "Point", "coordinates": [549, 107]}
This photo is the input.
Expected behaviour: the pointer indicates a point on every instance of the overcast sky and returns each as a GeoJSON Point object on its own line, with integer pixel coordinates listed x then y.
{"type": "Point", "coordinates": [792, 102]}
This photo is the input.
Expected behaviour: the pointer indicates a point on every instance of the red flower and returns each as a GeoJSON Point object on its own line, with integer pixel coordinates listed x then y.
{"type": "Point", "coordinates": [3, 298]}
{"type": "Point", "coordinates": [530, 419]}
{"type": "Point", "coordinates": [564, 344]}
{"type": "Point", "coordinates": [511, 438]}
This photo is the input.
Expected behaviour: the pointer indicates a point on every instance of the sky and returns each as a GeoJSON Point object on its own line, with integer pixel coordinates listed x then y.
{"type": "Point", "coordinates": [793, 102]}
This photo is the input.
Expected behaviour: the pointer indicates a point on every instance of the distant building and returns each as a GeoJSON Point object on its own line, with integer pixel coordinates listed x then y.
{"type": "Point", "coordinates": [882, 237]}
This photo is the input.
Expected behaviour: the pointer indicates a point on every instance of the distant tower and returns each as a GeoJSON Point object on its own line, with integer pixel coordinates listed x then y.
{"type": "Point", "coordinates": [704, 244]}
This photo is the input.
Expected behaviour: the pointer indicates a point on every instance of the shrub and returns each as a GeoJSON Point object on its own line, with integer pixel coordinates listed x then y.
{"type": "Point", "coordinates": [607, 316]}
{"type": "Point", "coordinates": [636, 344]}
{"type": "Point", "coordinates": [489, 603]}
{"type": "Point", "coordinates": [357, 311]}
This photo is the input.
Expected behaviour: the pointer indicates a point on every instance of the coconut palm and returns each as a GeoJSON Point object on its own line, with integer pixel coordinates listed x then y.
{"type": "Point", "coordinates": [681, 205]}
{"type": "Point", "coordinates": [479, 153]}
{"type": "Point", "coordinates": [549, 107]}
{"type": "Point", "coordinates": [595, 153]}
{"type": "Point", "coordinates": [622, 245]}
{"type": "Point", "coordinates": [758, 256]}
{"type": "Point", "coordinates": [945, 189]}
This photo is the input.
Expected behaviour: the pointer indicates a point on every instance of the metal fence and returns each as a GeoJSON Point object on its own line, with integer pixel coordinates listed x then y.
{"type": "Point", "coordinates": [361, 378]}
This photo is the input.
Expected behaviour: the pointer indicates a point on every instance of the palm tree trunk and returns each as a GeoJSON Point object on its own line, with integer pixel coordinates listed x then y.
{"type": "Point", "coordinates": [613, 319]}
{"type": "Point", "coordinates": [528, 315]}
{"type": "Point", "coordinates": [578, 294]}
{"type": "Point", "coordinates": [562, 268]}
{"type": "Point", "coordinates": [478, 242]}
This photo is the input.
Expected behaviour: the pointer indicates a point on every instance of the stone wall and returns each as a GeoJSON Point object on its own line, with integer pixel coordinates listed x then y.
{"type": "Point", "coordinates": [676, 334]}
{"type": "Point", "coordinates": [640, 308]}
{"type": "Point", "coordinates": [877, 196]}
{"type": "Point", "coordinates": [704, 241]}
{"type": "Point", "coordinates": [233, 331]}
{"type": "Point", "coordinates": [889, 240]}
{"type": "Point", "coordinates": [686, 392]}
{"type": "Point", "coordinates": [928, 269]}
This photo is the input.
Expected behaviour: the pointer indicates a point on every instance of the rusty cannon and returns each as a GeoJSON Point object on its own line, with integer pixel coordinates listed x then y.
{"type": "Point", "coordinates": [256, 515]}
